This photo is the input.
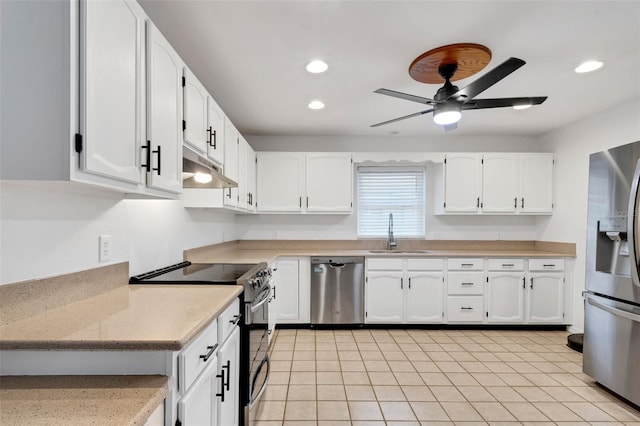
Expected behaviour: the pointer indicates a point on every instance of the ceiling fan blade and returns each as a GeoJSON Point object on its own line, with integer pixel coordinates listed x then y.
{"type": "Point", "coordinates": [406, 96]}
{"type": "Point", "coordinates": [489, 79]}
{"type": "Point", "coordinates": [502, 102]}
{"type": "Point", "coordinates": [449, 127]}
{"type": "Point", "coordinates": [403, 118]}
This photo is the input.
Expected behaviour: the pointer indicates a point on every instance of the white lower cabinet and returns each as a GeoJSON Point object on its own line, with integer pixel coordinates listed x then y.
{"type": "Point", "coordinates": [291, 290]}
{"type": "Point", "coordinates": [198, 405]}
{"type": "Point", "coordinates": [505, 291]}
{"type": "Point", "coordinates": [465, 290]}
{"type": "Point", "coordinates": [228, 374]}
{"type": "Point", "coordinates": [545, 298]}
{"type": "Point", "coordinates": [404, 291]}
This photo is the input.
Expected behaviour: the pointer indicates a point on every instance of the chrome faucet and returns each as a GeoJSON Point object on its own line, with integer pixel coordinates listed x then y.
{"type": "Point", "coordinates": [391, 241]}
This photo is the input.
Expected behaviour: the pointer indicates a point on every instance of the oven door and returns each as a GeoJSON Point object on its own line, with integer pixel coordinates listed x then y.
{"type": "Point", "coordinates": [258, 351]}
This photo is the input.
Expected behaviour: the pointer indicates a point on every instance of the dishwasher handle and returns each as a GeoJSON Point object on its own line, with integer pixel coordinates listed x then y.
{"type": "Point", "coordinates": [337, 265]}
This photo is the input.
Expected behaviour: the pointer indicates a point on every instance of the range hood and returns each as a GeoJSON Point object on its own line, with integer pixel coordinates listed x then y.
{"type": "Point", "coordinates": [198, 172]}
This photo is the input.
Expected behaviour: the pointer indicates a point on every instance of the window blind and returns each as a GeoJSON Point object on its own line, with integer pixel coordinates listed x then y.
{"type": "Point", "coordinates": [382, 191]}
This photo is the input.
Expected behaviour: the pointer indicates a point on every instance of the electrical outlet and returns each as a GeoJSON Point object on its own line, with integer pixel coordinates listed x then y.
{"type": "Point", "coordinates": [105, 248]}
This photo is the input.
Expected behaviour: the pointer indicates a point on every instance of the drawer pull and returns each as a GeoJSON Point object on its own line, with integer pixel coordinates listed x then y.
{"type": "Point", "coordinates": [236, 319]}
{"type": "Point", "coordinates": [549, 265]}
{"type": "Point", "coordinates": [466, 283]}
{"type": "Point", "coordinates": [466, 308]}
{"type": "Point", "coordinates": [464, 265]}
{"type": "Point", "coordinates": [212, 349]}
{"type": "Point", "coordinates": [508, 265]}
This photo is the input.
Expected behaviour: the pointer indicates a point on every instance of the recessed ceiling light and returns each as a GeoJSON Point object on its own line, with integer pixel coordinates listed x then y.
{"type": "Point", "coordinates": [522, 106]}
{"type": "Point", "coordinates": [317, 66]}
{"type": "Point", "coordinates": [316, 105]}
{"type": "Point", "coordinates": [588, 66]}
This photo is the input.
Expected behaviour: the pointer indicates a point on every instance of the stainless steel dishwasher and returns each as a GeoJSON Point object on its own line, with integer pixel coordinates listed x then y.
{"type": "Point", "coordinates": [337, 290]}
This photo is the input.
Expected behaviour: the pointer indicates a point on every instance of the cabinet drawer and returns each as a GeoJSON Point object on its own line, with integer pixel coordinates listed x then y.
{"type": "Point", "coordinates": [466, 264]}
{"type": "Point", "coordinates": [465, 309]}
{"type": "Point", "coordinates": [415, 264]}
{"type": "Point", "coordinates": [228, 320]}
{"type": "Point", "coordinates": [384, 263]}
{"type": "Point", "coordinates": [546, 264]}
{"type": "Point", "coordinates": [465, 283]}
{"type": "Point", "coordinates": [505, 264]}
{"type": "Point", "coordinates": [197, 355]}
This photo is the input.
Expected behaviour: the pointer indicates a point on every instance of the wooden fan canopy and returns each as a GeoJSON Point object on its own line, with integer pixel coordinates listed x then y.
{"type": "Point", "coordinates": [469, 58]}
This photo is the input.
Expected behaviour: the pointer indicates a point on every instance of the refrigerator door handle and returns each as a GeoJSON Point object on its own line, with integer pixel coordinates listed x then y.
{"type": "Point", "coordinates": [614, 311]}
{"type": "Point", "coordinates": [632, 226]}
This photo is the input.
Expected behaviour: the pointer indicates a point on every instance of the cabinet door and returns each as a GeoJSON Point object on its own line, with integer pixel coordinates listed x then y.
{"type": "Point", "coordinates": [505, 297]}
{"type": "Point", "coordinates": [536, 187]}
{"type": "Point", "coordinates": [462, 183]}
{"type": "Point", "coordinates": [198, 406]}
{"type": "Point", "coordinates": [195, 113]}
{"type": "Point", "coordinates": [280, 181]}
{"type": "Point", "coordinates": [287, 291]}
{"type": "Point", "coordinates": [251, 178]}
{"type": "Point", "coordinates": [231, 151]}
{"type": "Point", "coordinates": [499, 183]}
{"type": "Point", "coordinates": [164, 114]}
{"type": "Point", "coordinates": [424, 297]}
{"type": "Point", "coordinates": [228, 398]}
{"type": "Point", "coordinates": [546, 300]}
{"type": "Point", "coordinates": [215, 132]}
{"type": "Point", "coordinates": [243, 187]}
{"type": "Point", "coordinates": [112, 95]}
{"type": "Point", "coordinates": [384, 294]}
{"type": "Point", "coordinates": [328, 182]}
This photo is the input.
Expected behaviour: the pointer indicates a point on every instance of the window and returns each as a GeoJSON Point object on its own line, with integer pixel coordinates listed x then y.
{"type": "Point", "coordinates": [385, 190]}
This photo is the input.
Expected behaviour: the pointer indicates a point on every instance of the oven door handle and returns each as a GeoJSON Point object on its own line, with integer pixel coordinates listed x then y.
{"type": "Point", "coordinates": [266, 380]}
{"type": "Point", "coordinates": [261, 300]}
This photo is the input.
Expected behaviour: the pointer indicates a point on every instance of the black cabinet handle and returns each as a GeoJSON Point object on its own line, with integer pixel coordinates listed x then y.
{"type": "Point", "coordinates": [274, 290]}
{"type": "Point", "coordinates": [515, 202]}
{"type": "Point", "coordinates": [409, 283]}
{"type": "Point", "coordinates": [212, 349]}
{"type": "Point", "coordinates": [147, 156]}
{"type": "Point", "coordinates": [300, 202]}
{"type": "Point", "coordinates": [401, 283]}
{"type": "Point", "coordinates": [524, 282]}
{"type": "Point", "coordinates": [531, 283]}
{"type": "Point", "coordinates": [157, 169]}
{"type": "Point", "coordinates": [522, 205]}
{"type": "Point", "coordinates": [510, 265]}
{"type": "Point", "coordinates": [212, 135]}
{"type": "Point", "coordinates": [464, 308]}
{"type": "Point", "coordinates": [478, 203]}
{"type": "Point", "coordinates": [549, 265]}
{"type": "Point", "coordinates": [228, 380]}
{"type": "Point", "coordinates": [466, 283]}
{"type": "Point", "coordinates": [236, 319]}
{"type": "Point", "coordinates": [221, 394]}
{"type": "Point", "coordinates": [229, 195]}
{"type": "Point", "coordinates": [307, 201]}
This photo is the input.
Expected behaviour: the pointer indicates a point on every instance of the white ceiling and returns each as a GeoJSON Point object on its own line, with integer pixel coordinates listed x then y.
{"type": "Point", "coordinates": [251, 57]}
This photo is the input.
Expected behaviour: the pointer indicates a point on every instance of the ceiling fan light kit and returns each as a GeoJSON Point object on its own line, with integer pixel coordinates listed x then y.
{"type": "Point", "coordinates": [454, 62]}
{"type": "Point", "coordinates": [317, 66]}
{"type": "Point", "coordinates": [588, 66]}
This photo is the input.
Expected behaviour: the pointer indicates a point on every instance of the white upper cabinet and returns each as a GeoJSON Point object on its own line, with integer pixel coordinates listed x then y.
{"type": "Point", "coordinates": [462, 183]}
{"type": "Point", "coordinates": [243, 170]}
{"type": "Point", "coordinates": [496, 183]}
{"type": "Point", "coordinates": [280, 177]}
{"type": "Point", "coordinates": [249, 178]}
{"type": "Point", "coordinates": [231, 170]}
{"type": "Point", "coordinates": [304, 182]}
{"type": "Point", "coordinates": [328, 182]}
{"type": "Point", "coordinates": [163, 152]}
{"type": "Point", "coordinates": [89, 78]}
{"type": "Point", "coordinates": [499, 183]}
{"type": "Point", "coordinates": [111, 120]}
{"type": "Point", "coordinates": [536, 183]}
{"type": "Point", "coordinates": [215, 131]}
{"type": "Point", "coordinates": [195, 113]}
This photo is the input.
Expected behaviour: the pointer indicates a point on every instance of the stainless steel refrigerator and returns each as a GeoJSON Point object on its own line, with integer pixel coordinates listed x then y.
{"type": "Point", "coordinates": [612, 296]}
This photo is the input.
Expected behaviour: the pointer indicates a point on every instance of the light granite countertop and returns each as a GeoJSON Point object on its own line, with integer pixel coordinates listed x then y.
{"type": "Point", "coordinates": [80, 400]}
{"type": "Point", "coordinates": [130, 317]}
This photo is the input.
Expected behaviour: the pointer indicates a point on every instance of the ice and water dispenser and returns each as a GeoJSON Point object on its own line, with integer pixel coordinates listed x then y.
{"type": "Point", "coordinates": [612, 248]}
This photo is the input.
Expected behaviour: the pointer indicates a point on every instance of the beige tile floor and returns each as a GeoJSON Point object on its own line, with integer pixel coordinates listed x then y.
{"type": "Point", "coordinates": [431, 377]}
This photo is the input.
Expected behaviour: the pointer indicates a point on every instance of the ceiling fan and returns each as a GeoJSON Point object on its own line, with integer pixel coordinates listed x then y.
{"type": "Point", "coordinates": [454, 62]}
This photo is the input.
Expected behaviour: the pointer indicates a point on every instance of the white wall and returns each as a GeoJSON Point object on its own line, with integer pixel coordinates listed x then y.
{"type": "Point", "coordinates": [52, 229]}
{"type": "Point", "coordinates": [573, 145]}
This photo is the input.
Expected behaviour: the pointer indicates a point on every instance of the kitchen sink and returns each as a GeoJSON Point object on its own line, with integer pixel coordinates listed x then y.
{"type": "Point", "coordinates": [400, 251]}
